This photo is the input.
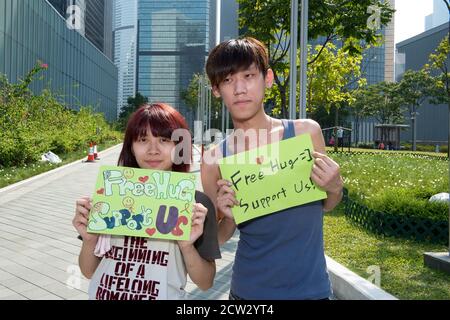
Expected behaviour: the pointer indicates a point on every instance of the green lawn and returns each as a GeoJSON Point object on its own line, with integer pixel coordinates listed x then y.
{"type": "Point", "coordinates": [398, 184]}
{"type": "Point", "coordinates": [403, 273]}
{"type": "Point", "coordinates": [15, 174]}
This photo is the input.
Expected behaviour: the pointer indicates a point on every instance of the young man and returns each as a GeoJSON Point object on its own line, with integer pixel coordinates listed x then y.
{"type": "Point", "coordinates": [281, 255]}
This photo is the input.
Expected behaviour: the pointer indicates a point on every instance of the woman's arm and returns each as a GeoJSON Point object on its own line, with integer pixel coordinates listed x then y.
{"type": "Point", "coordinates": [212, 186]}
{"type": "Point", "coordinates": [201, 271]}
{"type": "Point", "coordinates": [325, 172]}
{"type": "Point", "coordinates": [87, 260]}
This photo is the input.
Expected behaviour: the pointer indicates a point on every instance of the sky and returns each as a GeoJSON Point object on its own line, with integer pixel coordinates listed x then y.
{"type": "Point", "coordinates": [410, 17]}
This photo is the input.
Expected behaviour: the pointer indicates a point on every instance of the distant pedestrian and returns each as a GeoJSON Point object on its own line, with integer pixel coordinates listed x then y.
{"type": "Point", "coordinates": [340, 136]}
{"type": "Point", "coordinates": [331, 141]}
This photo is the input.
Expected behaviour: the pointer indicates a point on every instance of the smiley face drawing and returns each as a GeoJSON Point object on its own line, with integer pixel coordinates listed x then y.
{"type": "Point", "coordinates": [128, 173]}
{"type": "Point", "coordinates": [128, 203]}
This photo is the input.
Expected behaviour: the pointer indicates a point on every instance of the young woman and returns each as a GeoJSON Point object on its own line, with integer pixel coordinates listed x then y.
{"type": "Point", "coordinates": [127, 268]}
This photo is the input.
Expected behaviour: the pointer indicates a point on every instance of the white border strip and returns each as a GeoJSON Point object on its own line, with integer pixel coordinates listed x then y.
{"type": "Point", "coordinates": [347, 285]}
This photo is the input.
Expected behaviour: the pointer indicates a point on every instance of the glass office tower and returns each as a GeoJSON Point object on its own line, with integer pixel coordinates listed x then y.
{"type": "Point", "coordinates": [173, 43]}
{"type": "Point", "coordinates": [77, 70]}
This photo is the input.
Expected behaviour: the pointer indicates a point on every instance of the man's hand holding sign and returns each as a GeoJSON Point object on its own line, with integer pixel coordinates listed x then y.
{"type": "Point", "coordinates": [275, 177]}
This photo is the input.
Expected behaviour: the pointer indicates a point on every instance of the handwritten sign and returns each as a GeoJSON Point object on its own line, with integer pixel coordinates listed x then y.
{"type": "Point", "coordinates": [142, 203]}
{"type": "Point", "coordinates": [272, 178]}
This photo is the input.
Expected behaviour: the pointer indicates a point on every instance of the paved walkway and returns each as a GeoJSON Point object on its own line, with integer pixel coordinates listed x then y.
{"type": "Point", "coordinates": [39, 247]}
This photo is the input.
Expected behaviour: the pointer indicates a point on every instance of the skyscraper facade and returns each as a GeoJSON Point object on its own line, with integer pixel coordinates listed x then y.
{"type": "Point", "coordinates": [439, 15]}
{"type": "Point", "coordinates": [432, 120]}
{"type": "Point", "coordinates": [93, 18]}
{"type": "Point", "coordinates": [173, 43]}
{"type": "Point", "coordinates": [125, 43]}
{"type": "Point", "coordinates": [77, 70]}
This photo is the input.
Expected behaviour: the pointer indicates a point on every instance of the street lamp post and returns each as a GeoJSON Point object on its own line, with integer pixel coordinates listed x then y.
{"type": "Point", "coordinates": [293, 61]}
{"type": "Point", "coordinates": [303, 58]}
{"type": "Point", "coordinates": [218, 13]}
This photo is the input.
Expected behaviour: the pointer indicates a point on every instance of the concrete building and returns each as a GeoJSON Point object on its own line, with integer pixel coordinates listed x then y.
{"type": "Point", "coordinates": [125, 43]}
{"type": "Point", "coordinates": [78, 71]}
{"type": "Point", "coordinates": [432, 120]}
{"type": "Point", "coordinates": [93, 19]}
{"type": "Point", "coordinates": [438, 17]}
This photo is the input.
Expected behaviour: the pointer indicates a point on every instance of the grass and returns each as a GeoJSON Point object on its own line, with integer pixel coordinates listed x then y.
{"type": "Point", "coordinates": [12, 175]}
{"type": "Point", "coordinates": [400, 184]}
{"type": "Point", "coordinates": [438, 154]}
{"type": "Point", "coordinates": [403, 273]}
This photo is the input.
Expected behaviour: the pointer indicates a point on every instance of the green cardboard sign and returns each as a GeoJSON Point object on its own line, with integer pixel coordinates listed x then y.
{"type": "Point", "coordinates": [272, 178]}
{"type": "Point", "coordinates": [142, 203]}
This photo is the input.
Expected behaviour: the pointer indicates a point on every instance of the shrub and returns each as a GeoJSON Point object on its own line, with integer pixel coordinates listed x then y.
{"type": "Point", "coordinates": [400, 184]}
{"type": "Point", "coordinates": [33, 124]}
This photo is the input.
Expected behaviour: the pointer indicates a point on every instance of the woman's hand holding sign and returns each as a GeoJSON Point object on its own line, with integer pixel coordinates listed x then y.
{"type": "Point", "coordinates": [199, 213]}
{"type": "Point", "coordinates": [80, 221]}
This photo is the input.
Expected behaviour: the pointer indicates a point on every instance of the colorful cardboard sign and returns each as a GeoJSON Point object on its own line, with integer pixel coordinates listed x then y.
{"type": "Point", "coordinates": [142, 203]}
{"type": "Point", "coordinates": [272, 178]}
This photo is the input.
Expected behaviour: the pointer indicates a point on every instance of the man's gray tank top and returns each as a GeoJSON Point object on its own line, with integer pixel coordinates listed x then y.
{"type": "Point", "coordinates": [281, 255]}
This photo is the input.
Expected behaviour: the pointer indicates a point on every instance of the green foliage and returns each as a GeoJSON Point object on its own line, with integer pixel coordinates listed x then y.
{"type": "Point", "coordinates": [330, 75]}
{"type": "Point", "coordinates": [33, 124]}
{"type": "Point", "coordinates": [190, 97]}
{"type": "Point", "coordinates": [440, 92]}
{"type": "Point", "coordinates": [269, 21]}
{"type": "Point", "coordinates": [425, 147]}
{"type": "Point", "coordinates": [439, 65]}
{"type": "Point", "coordinates": [396, 183]}
{"type": "Point", "coordinates": [383, 101]}
{"type": "Point", "coordinates": [415, 87]}
{"type": "Point", "coordinates": [8, 90]}
{"type": "Point", "coordinates": [133, 103]}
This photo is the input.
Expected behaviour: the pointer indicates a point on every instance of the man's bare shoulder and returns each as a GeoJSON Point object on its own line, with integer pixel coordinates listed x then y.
{"type": "Point", "coordinates": [211, 158]}
{"type": "Point", "coordinates": [306, 126]}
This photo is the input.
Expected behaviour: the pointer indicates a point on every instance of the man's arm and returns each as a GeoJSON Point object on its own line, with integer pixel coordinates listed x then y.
{"type": "Point", "coordinates": [329, 178]}
{"type": "Point", "coordinates": [210, 174]}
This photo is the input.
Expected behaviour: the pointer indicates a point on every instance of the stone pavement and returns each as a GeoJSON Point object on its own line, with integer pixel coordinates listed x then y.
{"type": "Point", "coordinates": [39, 246]}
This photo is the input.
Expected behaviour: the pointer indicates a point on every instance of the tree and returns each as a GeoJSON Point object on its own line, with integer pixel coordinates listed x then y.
{"type": "Point", "coordinates": [133, 103]}
{"type": "Point", "coordinates": [190, 98]}
{"type": "Point", "coordinates": [384, 102]}
{"type": "Point", "coordinates": [21, 89]}
{"type": "Point", "coordinates": [415, 88]}
{"type": "Point", "coordinates": [360, 108]}
{"type": "Point", "coordinates": [269, 21]}
{"type": "Point", "coordinates": [439, 66]}
{"type": "Point", "coordinates": [331, 77]}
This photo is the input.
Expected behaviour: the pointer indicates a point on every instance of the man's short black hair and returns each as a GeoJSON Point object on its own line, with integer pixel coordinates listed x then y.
{"type": "Point", "coordinates": [236, 55]}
